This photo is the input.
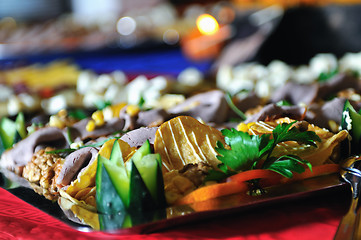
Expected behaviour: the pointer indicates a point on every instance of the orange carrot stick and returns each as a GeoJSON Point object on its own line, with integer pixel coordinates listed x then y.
{"type": "Point", "coordinates": [213, 191]}
{"type": "Point", "coordinates": [237, 183]}
{"type": "Point", "coordinates": [269, 177]}
{"type": "Point", "coordinates": [316, 171]}
{"type": "Point", "coordinates": [253, 174]}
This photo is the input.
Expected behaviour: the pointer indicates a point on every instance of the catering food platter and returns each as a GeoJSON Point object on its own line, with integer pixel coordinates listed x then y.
{"type": "Point", "coordinates": [176, 216]}
{"type": "Point", "coordinates": [167, 152]}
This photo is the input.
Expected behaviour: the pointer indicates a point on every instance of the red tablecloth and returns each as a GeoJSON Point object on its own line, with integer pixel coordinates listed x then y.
{"type": "Point", "coordinates": [311, 217]}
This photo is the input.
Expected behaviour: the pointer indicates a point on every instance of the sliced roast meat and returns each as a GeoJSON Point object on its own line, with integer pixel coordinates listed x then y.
{"type": "Point", "coordinates": [78, 130]}
{"type": "Point", "coordinates": [249, 101]}
{"type": "Point", "coordinates": [272, 111]}
{"type": "Point", "coordinates": [17, 157]}
{"type": "Point", "coordinates": [75, 163]}
{"type": "Point", "coordinates": [210, 106]}
{"type": "Point", "coordinates": [320, 115]}
{"type": "Point", "coordinates": [337, 83]}
{"type": "Point", "coordinates": [152, 118]}
{"type": "Point", "coordinates": [137, 137]}
{"type": "Point", "coordinates": [252, 100]}
{"type": "Point", "coordinates": [296, 93]}
{"type": "Point", "coordinates": [129, 121]}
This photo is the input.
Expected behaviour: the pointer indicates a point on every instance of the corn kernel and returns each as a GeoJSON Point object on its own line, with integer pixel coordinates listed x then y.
{"type": "Point", "coordinates": [76, 145]}
{"type": "Point", "coordinates": [98, 118]}
{"type": "Point", "coordinates": [132, 110]}
{"type": "Point", "coordinates": [117, 108]}
{"type": "Point", "coordinates": [242, 127]}
{"type": "Point", "coordinates": [62, 113]}
{"type": "Point", "coordinates": [55, 121]}
{"type": "Point", "coordinates": [90, 126]}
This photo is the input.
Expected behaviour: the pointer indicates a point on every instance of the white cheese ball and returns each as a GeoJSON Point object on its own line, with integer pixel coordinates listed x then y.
{"type": "Point", "coordinates": [136, 88]}
{"type": "Point", "coordinates": [85, 81]}
{"type": "Point", "coordinates": [323, 63]}
{"type": "Point", "coordinates": [351, 62]}
{"type": "Point", "coordinates": [190, 77]}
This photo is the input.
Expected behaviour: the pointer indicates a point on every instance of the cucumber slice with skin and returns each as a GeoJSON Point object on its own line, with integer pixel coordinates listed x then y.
{"type": "Point", "coordinates": [7, 132]}
{"type": "Point", "coordinates": [140, 199]}
{"type": "Point", "coordinates": [138, 185]}
{"type": "Point", "coordinates": [351, 121]}
{"type": "Point", "coordinates": [120, 179]}
{"type": "Point", "coordinates": [145, 149]}
{"type": "Point", "coordinates": [107, 198]}
{"type": "Point", "coordinates": [116, 154]}
{"type": "Point", "coordinates": [20, 125]}
{"type": "Point", "coordinates": [148, 168]}
{"type": "Point", "coordinates": [2, 147]}
{"type": "Point", "coordinates": [17, 137]}
{"type": "Point", "coordinates": [113, 221]}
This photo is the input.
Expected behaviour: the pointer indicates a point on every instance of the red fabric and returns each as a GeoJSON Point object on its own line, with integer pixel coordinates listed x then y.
{"type": "Point", "coordinates": [314, 217]}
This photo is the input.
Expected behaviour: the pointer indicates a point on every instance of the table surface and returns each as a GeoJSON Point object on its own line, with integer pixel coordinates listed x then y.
{"type": "Point", "coordinates": [311, 217]}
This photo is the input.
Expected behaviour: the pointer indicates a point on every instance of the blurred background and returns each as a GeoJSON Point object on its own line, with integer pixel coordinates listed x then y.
{"type": "Point", "coordinates": [61, 38]}
{"type": "Point", "coordinates": [292, 31]}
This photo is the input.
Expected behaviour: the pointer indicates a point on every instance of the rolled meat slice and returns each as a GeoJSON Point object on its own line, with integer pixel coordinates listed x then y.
{"type": "Point", "coordinates": [17, 157]}
{"type": "Point", "coordinates": [78, 130]}
{"type": "Point", "coordinates": [74, 164]}
{"type": "Point", "coordinates": [137, 137]}
{"type": "Point", "coordinates": [210, 106]}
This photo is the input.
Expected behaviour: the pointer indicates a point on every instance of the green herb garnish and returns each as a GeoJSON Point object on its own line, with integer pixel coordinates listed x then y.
{"type": "Point", "coordinates": [234, 107]}
{"type": "Point", "coordinates": [283, 103]}
{"type": "Point", "coordinates": [141, 102]}
{"type": "Point", "coordinates": [252, 151]}
{"type": "Point", "coordinates": [70, 150]}
{"type": "Point", "coordinates": [325, 76]}
{"type": "Point", "coordinates": [100, 105]}
{"type": "Point", "coordinates": [78, 114]}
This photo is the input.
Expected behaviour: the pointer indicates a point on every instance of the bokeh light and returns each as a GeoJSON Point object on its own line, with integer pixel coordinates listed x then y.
{"type": "Point", "coordinates": [126, 26]}
{"type": "Point", "coordinates": [207, 24]}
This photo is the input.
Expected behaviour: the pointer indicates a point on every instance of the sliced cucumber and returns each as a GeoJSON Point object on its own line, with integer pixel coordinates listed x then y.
{"type": "Point", "coordinates": [111, 222]}
{"type": "Point", "coordinates": [148, 168]}
{"type": "Point", "coordinates": [107, 198]}
{"type": "Point", "coordinates": [20, 125]}
{"type": "Point", "coordinates": [116, 154]}
{"type": "Point", "coordinates": [351, 121]}
{"type": "Point", "coordinates": [138, 184]}
{"type": "Point", "coordinates": [2, 147]}
{"type": "Point", "coordinates": [7, 132]}
{"type": "Point", "coordinates": [120, 179]}
{"type": "Point", "coordinates": [145, 149]}
{"type": "Point", "coordinates": [140, 199]}
{"type": "Point", "coordinates": [17, 137]}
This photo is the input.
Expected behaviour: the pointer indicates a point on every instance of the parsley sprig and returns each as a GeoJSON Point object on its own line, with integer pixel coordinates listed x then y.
{"type": "Point", "coordinates": [246, 152]}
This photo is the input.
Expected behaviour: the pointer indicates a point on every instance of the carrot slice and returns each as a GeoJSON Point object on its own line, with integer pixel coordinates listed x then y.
{"type": "Point", "coordinates": [316, 171]}
{"type": "Point", "coordinates": [253, 174]}
{"type": "Point", "coordinates": [213, 191]}
{"type": "Point", "coordinates": [237, 183]}
{"type": "Point", "coordinates": [269, 178]}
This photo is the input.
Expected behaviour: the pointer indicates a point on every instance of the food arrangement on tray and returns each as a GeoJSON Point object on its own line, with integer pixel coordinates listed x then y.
{"type": "Point", "coordinates": [192, 141]}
